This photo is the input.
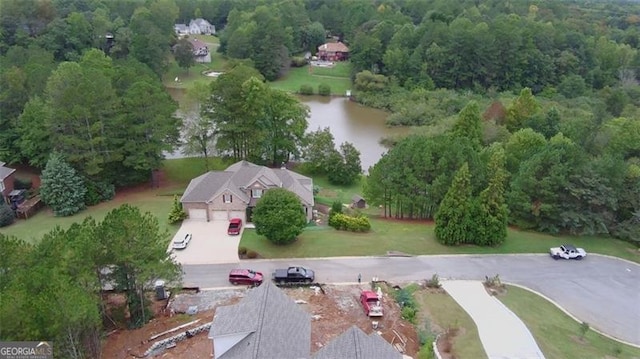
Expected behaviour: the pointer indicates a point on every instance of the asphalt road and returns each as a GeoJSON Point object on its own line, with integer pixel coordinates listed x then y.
{"type": "Point", "coordinates": [602, 291]}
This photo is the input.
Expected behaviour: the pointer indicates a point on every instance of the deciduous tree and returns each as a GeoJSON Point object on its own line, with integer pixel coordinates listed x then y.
{"type": "Point", "coordinates": [278, 216]}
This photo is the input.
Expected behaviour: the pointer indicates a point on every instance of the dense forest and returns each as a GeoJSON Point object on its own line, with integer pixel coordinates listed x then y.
{"type": "Point", "coordinates": [544, 74]}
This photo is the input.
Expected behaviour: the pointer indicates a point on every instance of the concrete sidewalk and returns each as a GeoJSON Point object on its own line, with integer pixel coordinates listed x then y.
{"type": "Point", "coordinates": [502, 333]}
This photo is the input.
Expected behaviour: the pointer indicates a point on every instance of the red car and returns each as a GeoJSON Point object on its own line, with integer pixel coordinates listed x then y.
{"type": "Point", "coordinates": [245, 276]}
{"type": "Point", "coordinates": [235, 224]}
{"type": "Point", "coordinates": [371, 303]}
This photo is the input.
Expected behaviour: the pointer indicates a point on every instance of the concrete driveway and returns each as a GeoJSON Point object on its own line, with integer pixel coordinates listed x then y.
{"type": "Point", "coordinates": [502, 333]}
{"type": "Point", "coordinates": [210, 243]}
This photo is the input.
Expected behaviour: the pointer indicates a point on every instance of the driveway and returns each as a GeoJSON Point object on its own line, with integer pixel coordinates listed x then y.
{"type": "Point", "coordinates": [502, 333]}
{"type": "Point", "coordinates": [210, 243]}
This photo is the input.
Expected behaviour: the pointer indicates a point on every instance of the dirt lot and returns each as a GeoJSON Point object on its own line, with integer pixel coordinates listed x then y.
{"type": "Point", "coordinates": [333, 313]}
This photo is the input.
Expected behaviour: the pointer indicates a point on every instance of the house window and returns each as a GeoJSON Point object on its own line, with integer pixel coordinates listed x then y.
{"type": "Point", "coordinates": [1, 186]}
{"type": "Point", "coordinates": [227, 198]}
{"type": "Point", "coordinates": [256, 193]}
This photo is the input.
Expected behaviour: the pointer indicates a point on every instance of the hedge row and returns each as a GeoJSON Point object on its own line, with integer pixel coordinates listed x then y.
{"type": "Point", "coordinates": [343, 222]}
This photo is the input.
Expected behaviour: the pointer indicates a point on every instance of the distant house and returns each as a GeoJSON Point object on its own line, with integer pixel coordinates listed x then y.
{"type": "Point", "coordinates": [264, 324]}
{"type": "Point", "coordinates": [6, 181]}
{"type": "Point", "coordinates": [354, 343]}
{"type": "Point", "coordinates": [333, 51]}
{"type": "Point", "coordinates": [201, 26]}
{"type": "Point", "coordinates": [181, 29]}
{"type": "Point", "coordinates": [201, 52]}
{"type": "Point", "coordinates": [358, 202]}
{"type": "Point", "coordinates": [234, 192]}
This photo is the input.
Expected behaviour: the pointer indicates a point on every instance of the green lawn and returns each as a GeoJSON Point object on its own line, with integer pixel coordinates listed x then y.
{"type": "Point", "coordinates": [181, 170]}
{"type": "Point", "coordinates": [416, 237]}
{"type": "Point", "coordinates": [439, 309]}
{"type": "Point", "coordinates": [337, 78]}
{"type": "Point", "coordinates": [557, 334]}
{"type": "Point", "coordinates": [34, 228]}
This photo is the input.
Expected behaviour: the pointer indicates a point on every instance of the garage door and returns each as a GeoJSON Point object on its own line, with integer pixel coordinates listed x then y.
{"type": "Point", "coordinates": [198, 214]}
{"type": "Point", "coordinates": [219, 215]}
{"type": "Point", "coordinates": [237, 214]}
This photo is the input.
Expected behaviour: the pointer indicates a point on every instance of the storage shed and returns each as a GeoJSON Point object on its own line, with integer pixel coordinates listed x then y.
{"type": "Point", "coordinates": [358, 202]}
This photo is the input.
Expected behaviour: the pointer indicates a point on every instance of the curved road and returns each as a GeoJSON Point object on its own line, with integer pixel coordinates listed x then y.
{"type": "Point", "coordinates": [599, 290]}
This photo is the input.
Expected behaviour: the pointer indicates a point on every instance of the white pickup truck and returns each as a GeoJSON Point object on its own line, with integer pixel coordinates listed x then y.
{"type": "Point", "coordinates": [567, 251]}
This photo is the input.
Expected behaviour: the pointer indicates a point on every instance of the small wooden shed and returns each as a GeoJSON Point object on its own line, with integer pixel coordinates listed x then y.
{"type": "Point", "coordinates": [358, 202]}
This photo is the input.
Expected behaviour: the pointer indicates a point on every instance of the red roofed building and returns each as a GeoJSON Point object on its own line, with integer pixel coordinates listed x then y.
{"type": "Point", "coordinates": [333, 51]}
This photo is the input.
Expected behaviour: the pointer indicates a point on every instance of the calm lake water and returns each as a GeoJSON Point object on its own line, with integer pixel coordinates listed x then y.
{"type": "Point", "coordinates": [349, 122]}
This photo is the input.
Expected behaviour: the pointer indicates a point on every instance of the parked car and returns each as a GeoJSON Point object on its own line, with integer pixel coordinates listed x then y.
{"type": "Point", "coordinates": [182, 243]}
{"type": "Point", "coordinates": [293, 275]}
{"type": "Point", "coordinates": [567, 251]}
{"type": "Point", "coordinates": [235, 224]}
{"type": "Point", "coordinates": [371, 303]}
{"type": "Point", "coordinates": [245, 276]}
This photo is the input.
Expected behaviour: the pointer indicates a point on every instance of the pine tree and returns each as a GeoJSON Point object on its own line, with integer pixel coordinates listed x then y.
{"type": "Point", "coordinates": [469, 125]}
{"type": "Point", "coordinates": [492, 221]}
{"type": "Point", "coordinates": [453, 219]}
{"type": "Point", "coordinates": [62, 188]}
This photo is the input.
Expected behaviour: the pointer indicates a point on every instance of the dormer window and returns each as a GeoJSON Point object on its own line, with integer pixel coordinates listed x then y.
{"type": "Point", "coordinates": [227, 198]}
{"type": "Point", "coordinates": [256, 193]}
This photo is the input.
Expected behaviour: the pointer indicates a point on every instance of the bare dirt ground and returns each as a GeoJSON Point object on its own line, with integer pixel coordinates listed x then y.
{"type": "Point", "coordinates": [332, 313]}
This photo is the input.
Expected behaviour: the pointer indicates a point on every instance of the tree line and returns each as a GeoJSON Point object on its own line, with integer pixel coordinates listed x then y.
{"type": "Point", "coordinates": [53, 290]}
{"type": "Point", "coordinates": [551, 183]}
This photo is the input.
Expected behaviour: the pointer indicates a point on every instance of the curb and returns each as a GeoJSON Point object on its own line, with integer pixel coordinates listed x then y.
{"type": "Point", "coordinates": [571, 315]}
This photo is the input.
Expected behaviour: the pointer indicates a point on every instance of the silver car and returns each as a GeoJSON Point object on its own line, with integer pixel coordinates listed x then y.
{"type": "Point", "coordinates": [181, 243]}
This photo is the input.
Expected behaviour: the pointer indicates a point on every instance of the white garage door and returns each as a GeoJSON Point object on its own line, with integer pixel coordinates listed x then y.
{"type": "Point", "coordinates": [219, 215]}
{"type": "Point", "coordinates": [237, 214]}
{"type": "Point", "coordinates": [198, 214]}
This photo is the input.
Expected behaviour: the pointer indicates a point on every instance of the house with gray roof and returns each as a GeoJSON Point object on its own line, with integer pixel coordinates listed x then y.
{"type": "Point", "coordinates": [181, 29]}
{"type": "Point", "coordinates": [265, 324]}
{"type": "Point", "coordinates": [234, 192]}
{"type": "Point", "coordinates": [201, 26]}
{"type": "Point", "coordinates": [355, 344]}
{"type": "Point", "coordinates": [6, 181]}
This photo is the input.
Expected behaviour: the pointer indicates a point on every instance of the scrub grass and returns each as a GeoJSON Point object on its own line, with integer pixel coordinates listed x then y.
{"type": "Point", "coordinates": [557, 334]}
{"type": "Point", "coordinates": [439, 313]}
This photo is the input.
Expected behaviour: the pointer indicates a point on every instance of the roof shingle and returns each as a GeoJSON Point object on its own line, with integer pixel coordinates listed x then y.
{"type": "Point", "coordinates": [355, 344]}
{"type": "Point", "coordinates": [268, 317]}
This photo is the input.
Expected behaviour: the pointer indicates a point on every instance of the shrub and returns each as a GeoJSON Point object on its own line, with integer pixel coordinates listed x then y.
{"type": "Point", "coordinates": [344, 222]}
{"type": "Point", "coordinates": [97, 192]}
{"type": "Point", "coordinates": [409, 314]}
{"type": "Point", "coordinates": [316, 190]}
{"type": "Point", "coordinates": [177, 213]}
{"type": "Point", "coordinates": [6, 215]}
{"type": "Point", "coordinates": [62, 188]}
{"type": "Point", "coordinates": [298, 61]}
{"type": "Point", "coordinates": [324, 90]}
{"type": "Point", "coordinates": [252, 254]}
{"type": "Point", "coordinates": [434, 282]}
{"type": "Point", "coordinates": [306, 89]}
{"type": "Point", "coordinates": [22, 183]}
{"type": "Point", "coordinates": [336, 208]}
{"type": "Point", "coordinates": [242, 251]}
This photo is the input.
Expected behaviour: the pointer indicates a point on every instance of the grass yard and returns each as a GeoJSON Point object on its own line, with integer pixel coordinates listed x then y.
{"type": "Point", "coordinates": [557, 334]}
{"type": "Point", "coordinates": [416, 237]}
{"type": "Point", "coordinates": [337, 78]}
{"type": "Point", "coordinates": [33, 229]}
{"type": "Point", "coordinates": [439, 312]}
{"type": "Point", "coordinates": [181, 170]}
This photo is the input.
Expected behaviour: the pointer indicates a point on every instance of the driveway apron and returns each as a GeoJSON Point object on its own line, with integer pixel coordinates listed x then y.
{"type": "Point", "coordinates": [502, 333]}
{"type": "Point", "coordinates": [210, 243]}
